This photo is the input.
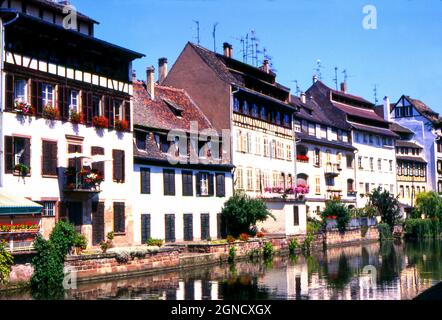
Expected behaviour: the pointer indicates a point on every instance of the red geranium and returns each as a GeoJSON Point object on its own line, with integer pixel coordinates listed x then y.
{"type": "Point", "coordinates": [100, 122]}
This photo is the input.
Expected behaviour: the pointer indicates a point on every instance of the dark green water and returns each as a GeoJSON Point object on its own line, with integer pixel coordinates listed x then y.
{"type": "Point", "coordinates": [398, 271]}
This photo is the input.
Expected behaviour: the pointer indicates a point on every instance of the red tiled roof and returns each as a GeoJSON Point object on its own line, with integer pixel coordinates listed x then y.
{"type": "Point", "coordinates": [172, 109]}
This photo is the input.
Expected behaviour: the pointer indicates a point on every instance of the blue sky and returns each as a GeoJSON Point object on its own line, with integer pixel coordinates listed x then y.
{"type": "Point", "coordinates": [402, 56]}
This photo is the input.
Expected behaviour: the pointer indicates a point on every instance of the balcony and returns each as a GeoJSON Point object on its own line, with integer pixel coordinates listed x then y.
{"type": "Point", "coordinates": [332, 170]}
{"type": "Point", "coordinates": [83, 181]}
{"type": "Point", "coordinates": [19, 237]}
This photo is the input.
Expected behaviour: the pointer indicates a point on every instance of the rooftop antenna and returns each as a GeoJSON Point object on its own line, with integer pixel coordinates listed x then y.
{"type": "Point", "coordinates": [197, 31]}
{"type": "Point", "coordinates": [298, 89]}
{"type": "Point", "coordinates": [375, 91]}
{"type": "Point", "coordinates": [318, 69]}
{"type": "Point", "coordinates": [336, 78]}
{"type": "Point", "coordinates": [345, 75]}
{"type": "Point", "coordinates": [214, 36]}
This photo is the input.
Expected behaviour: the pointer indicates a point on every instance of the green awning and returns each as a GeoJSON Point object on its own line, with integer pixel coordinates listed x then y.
{"type": "Point", "coordinates": [12, 205]}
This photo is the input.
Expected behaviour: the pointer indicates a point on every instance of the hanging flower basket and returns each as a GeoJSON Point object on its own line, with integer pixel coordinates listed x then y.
{"type": "Point", "coordinates": [121, 125]}
{"type": "Point", "coordinates": [22, 169]}
{"type": "Point", "coordinates": [50, 112]}
{"type": "Point", "coordinates": [24, 108]}
{"type": "Point", "coordinates": [77, 117]}
{"type": "Point", "coordinates": [100, 122]}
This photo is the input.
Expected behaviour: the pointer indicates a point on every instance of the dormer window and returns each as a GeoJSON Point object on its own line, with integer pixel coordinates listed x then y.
{"type": "Point", "coordinates": [236, 105]}
{"type": "Point", "coordinates": [255, 111]}
{"type": "Point", "coordinates": [263, 113]}
{"type": "Point", "coordinates": [176, 109]}
{"type": "Point", "coordinates": [245, 108]}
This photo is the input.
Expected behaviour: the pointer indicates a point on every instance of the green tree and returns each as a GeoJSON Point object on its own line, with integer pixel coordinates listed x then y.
{"type": "Point", "coordinates": [429, 204]}
{"type": "Point", "coordinates": [48, 263]}
{"type": "Point", "coordinates": [335, 208]}
{"type": "Point", "coordinates": [242, 212]}
{"type": "Point", "coordinates": [6, 262]}
{"type": "Point", "coordinates": [387, 206]}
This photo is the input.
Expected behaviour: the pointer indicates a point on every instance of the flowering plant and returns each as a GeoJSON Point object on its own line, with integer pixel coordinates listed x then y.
{"type": "Point", "coordinates": [302, 158]}
{"type": "Point", "coordinates": [302, 189]}
{"type": "Point", "coordinates": [121, 125]}
{"type": "Point", "coordinates": [18, 227]}
{"type": "Point", "coordinates": [77, 117]}
{"type": "Point", "coordinates": [94, 177]}
{"type": "Point", "coordinates": [50, 112]}
{"type": "Point", "coordinates": [100, 122]}
{"type": "Point", "coordinates": [23, 107]}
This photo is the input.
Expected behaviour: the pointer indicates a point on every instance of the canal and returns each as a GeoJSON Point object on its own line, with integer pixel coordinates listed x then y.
{"type": "Point", "coordinates": [388, 271]}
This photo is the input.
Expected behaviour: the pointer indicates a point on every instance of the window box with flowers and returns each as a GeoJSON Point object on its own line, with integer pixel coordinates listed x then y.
{"type": "Point", "coordinates": [50, 112]}
{"type": "Point", "coordinates": [84, 179]}
{"type": "Point", "coordinates": [77, 117]}
{"type": "Point", "coordinates": [100, 122]}
{"type": "Point", "coordinates": [23, 108]}
{"type": "Point", "coordinates": [302, 158]}
{"type": "Point", "coordinates": [19, 228]}
{"type": "Point", "coordinates": [121, 125]}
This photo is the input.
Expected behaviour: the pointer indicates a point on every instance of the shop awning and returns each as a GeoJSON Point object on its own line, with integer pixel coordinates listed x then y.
{"type": "Point", "coordinates": [12, 205]}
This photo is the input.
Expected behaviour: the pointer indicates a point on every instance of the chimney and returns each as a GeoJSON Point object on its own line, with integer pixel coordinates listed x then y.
{"type": "Point", "coordinates": [387, 110]}
{"type": "Point", "coordinates": [344, 87]}
{"type": "Point", "coordinates": [303, 97]}
{"type": "Point", "coordinates": [266, 66]}
{"type": "Point", "coordinates": [162, 69]}
{"type": "Point", "coordinates": [228, 50]}
{"type": "Point", "coordinates": [150, 81]}
{"type": "Point", "coordinates": [315, 79]}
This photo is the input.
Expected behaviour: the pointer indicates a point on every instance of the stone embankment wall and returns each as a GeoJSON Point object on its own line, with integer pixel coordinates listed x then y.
{"type": "Point", "coordinates": [112, 265]}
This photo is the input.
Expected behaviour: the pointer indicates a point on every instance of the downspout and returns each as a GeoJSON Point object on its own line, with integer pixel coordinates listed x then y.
{"type": "Point", "coordinates": [232, 93]}
{"type": "Point", "coordinates": [2, 99]}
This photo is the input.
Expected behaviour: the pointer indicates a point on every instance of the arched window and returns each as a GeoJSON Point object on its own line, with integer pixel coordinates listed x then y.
{"type": "Point", "coordinates": [302, 179]}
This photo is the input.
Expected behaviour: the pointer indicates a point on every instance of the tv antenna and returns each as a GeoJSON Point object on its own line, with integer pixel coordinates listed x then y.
{"type": "Point", "coordinates": [345, 75]}
{"type": "Point", "coordinates": [318, 69]}
{"type": "Point", "coordinates": [375, 92]}
{"type": "Point", "coordinates": [298, 89]}
{"type": "Point", "coordinates": [214, 36]}
{"type": "Point", "coordinates": [336, 78]}
{"type": "Point", "coordinates": [197, 31]}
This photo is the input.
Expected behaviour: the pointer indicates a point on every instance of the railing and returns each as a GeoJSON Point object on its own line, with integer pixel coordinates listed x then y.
{"type": "Point", "coordinates": [19, 240]}
{"type": "Point", "coordinates": [354, 223]}
{"type": "Point", "coordinates": [332, 170]}
{"type": "Point", "coordinates": [83, 181]}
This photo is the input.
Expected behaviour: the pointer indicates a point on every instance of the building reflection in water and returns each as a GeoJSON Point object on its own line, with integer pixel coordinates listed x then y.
{"type": "Point", "coordinates": [403, 271]}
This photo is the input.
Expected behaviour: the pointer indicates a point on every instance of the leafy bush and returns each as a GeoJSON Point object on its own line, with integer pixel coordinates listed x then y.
{"type": "Point", "coordinates": [385, 232]}
{"type": "Point", "coordinates": [80, 242]}
{"type": "Point", "coordinates": [48, 263]}
{"type": "Point", "coordinates": [335, 208]}
{"type": "Point", "coordinates": [254, 253]}
{"type": "Point", "coordinates": [232, 254]}
{"type": "Point", "coordinates": [422, 228]}
{"type": "Point", "coordinates": [314, 225]}
{"type": "Point", "coordinates": [241, 213]}
{"type": "Point", "coordinates": [6, 262]}
{"type": "Point", "coordinates": [293, 245]}
{"type": "Point", "coordinates": [154, 242]}
{"type": "Point", "coordinates": [267, 250]}
{"type": "Point", "coordinates": [307, 244]}
{"type": "Point", "coordinates": [386, 205]}
{"type": "Point", "coordinates": [244, 237]}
